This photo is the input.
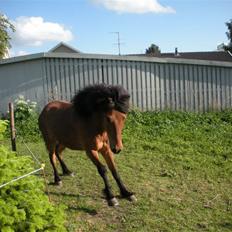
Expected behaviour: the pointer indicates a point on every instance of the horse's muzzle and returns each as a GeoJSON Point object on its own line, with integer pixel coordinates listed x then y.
{"type": "Point", "coordinates": [115, 151]}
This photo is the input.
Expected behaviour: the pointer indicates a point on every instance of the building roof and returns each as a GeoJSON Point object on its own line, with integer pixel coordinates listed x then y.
{"type": "Point", "coordinates": [212, 55]}
{"type": "Point", "coordinates": [63, 48]}
{"type": "Point", "coordinates": [215, 55]}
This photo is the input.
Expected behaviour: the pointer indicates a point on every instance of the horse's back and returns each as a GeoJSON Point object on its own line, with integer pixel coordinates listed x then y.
{"type": "Point", "coordinates": [55, 113]}
{"type": "Point", "coordinates": [53, 110]}
{"type": "Point", "coordinates": [56, 105]}
{"type": "Point", "coordinates": [59, 124]}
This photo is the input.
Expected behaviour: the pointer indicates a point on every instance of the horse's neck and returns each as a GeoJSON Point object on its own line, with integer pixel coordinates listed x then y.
{"type": "Point", "coordinates": [96, 124]}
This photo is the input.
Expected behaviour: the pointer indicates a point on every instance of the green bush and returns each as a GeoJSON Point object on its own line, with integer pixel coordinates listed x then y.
{"type": "Point", "coordinates": [151, 126]}
{"type": "Point", "coordinates": [26, 119]}
{"type": "Point", "coordinates": [3, 127]}
{"type": "Point", "coordinates": [23, 204]}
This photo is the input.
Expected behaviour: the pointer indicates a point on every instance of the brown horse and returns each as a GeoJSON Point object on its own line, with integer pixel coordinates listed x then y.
{"type": "Point", "coordinates": [93, 122]}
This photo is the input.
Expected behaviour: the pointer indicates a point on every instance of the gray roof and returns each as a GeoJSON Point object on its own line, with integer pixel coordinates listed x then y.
{"type": "Point", "coordinates": [64, 48]}
{"type": "Point", "coordinates": [52, 54]}
{"type": "Point", "coordinates": [210, 55]}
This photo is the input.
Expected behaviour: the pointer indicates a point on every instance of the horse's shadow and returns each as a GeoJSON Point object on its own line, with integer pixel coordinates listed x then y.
{"type": "Point", "coordinates": [227, 225]}
{"type": "Point", "coordinates": [78, 196]}
{"type": "Point", "coordinates": [84, 209]}
{"type": "Point", "coordinates": [91, 212]}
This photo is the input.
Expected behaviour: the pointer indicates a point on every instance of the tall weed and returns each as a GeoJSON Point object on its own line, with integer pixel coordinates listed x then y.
{"type": "Point", "coordinates": [26, 119]}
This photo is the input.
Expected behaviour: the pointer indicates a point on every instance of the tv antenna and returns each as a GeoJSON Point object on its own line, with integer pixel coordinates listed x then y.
{"type": "Point", "coordinates": [119, 43]}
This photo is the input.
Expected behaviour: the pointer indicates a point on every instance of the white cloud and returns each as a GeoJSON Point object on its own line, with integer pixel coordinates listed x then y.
{"type": "Point", "coordinates": [12, 53]}
{"type": "Point", "coordinates": [22, 53]}
{"type": "Point", "coordinates": [135, 6]}
{"type": "Point", "coordinates": [34, 31]}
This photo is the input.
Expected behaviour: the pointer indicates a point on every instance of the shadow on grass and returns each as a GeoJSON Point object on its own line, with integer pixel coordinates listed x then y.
{"type": "Point", "coordinates": [64, 194]}
{"type": "Point", "coordinates": [89, 211]}
{"type": "Point", "coordinates": [227, 225]}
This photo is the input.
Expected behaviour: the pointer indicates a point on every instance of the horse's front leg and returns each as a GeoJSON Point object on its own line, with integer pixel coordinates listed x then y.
{"type": "Point", "coordinates": [93, 155]}
{"type": "Point", "coordinates": [109, 158]}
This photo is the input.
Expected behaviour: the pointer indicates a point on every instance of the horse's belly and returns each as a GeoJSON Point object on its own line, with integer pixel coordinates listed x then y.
{"type": "Point", "coordinates": [73, 143]}
{"type": "Point", "coordinates": [75, 147]}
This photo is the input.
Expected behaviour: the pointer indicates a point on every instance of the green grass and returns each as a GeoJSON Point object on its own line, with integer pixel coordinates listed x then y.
{"type": "Point", "coordinates": [178, 164]}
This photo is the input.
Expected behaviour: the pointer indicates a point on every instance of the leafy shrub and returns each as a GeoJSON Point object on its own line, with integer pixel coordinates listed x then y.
{"type": "Point", "coordinates": [150, 126]}
{"type": "Point", "coordinates": [24, 109]}
{"type": "Point", "coordinates": [23, 204]}
{"type": "Point", "coordinates": [3, 127]}
{"type": "Point", "coordinates": [26, 119]}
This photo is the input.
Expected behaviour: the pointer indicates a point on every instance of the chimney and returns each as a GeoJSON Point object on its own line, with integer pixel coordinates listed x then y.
{"type": "Point", "coordinates": [176, 52]}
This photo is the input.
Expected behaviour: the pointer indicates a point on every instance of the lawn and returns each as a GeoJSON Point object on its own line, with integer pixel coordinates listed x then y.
{"type": "Point", "coordinates": [178, 164]}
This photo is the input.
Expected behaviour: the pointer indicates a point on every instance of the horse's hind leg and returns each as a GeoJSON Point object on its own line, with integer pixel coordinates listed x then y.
{"type": "Point", "coordinates": [52, 157]}
{"type": "Point", "coordinates": [58, 150]}
{"type": "Point", "coordinates": [93, 155]}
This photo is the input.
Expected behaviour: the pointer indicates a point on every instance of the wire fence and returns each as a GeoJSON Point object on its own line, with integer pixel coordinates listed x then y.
{"type": "Point", "coordinates": [23, 176]}
{"type": "Point", "coordinates": [42, 166]}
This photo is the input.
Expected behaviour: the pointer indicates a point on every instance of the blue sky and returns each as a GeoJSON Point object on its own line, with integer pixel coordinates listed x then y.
{"type": "Point", "coordinates": [190, 25]}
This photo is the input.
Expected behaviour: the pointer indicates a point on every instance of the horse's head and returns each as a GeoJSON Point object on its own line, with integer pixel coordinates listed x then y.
{"type": "Point", "coordinates": [111, 104]}
{"type": "Point", "coordinates": [114, 124]}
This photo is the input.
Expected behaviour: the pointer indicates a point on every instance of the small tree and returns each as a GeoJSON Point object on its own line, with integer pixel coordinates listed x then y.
{"type": "Point", "coordinates": [153, 49]}
{"type": "Point", "coordinates": [228, 47]}
{"type": "Point", "coordinates": [5, 26]}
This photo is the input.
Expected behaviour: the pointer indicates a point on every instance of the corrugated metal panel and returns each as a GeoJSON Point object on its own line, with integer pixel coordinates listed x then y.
{"type": "Point", "coordinates": [157, 86]}
{"type": "Point", "coordinates": [21, 79]}
{"type": "Point", "coordinates": [227, 87]}
{"type": "Point", "coordinates": [154, 85]}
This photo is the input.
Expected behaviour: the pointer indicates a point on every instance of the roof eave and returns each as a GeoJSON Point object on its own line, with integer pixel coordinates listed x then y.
{"type": "Point", "coordinates": [115, 57]}
{"type": "Point", "coordinates": [22, 58]}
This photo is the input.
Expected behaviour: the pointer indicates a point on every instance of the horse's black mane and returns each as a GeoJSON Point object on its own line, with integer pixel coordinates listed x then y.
{"type": "Point", "coordinates": [101, 98]}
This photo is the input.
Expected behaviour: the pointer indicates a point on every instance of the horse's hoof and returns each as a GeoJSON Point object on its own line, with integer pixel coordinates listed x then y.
{"type": "Point", "coordinates": [113, 202]}
{"type": "Point", "coordinates": [132, 198]}
{"type": "Point", "coordinates": [69, 174]}
{"type": "Point", "coordinates": [72, 174]}
{"type": "Point", "coordinates": [59, 183]}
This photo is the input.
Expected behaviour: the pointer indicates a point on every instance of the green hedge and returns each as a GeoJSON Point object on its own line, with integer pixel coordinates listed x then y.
{"type": "Point", "coordinates": [23, 204]}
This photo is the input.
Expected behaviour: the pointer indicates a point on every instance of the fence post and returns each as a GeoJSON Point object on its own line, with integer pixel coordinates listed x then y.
{"type": "Point", "coordinates": [12, 126]}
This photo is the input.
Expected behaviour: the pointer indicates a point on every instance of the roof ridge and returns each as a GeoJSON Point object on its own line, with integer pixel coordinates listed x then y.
{"type": "Point", "coordinates": [66, 45]}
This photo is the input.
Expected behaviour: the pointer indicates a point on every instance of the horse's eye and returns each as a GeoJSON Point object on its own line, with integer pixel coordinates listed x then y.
{"type": "Point", "coordinates": [109, 119]}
